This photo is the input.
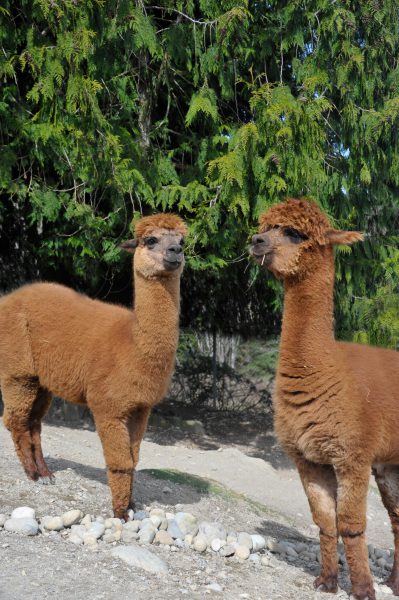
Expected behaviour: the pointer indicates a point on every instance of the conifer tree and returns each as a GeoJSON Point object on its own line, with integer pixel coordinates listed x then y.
{"type": "Point", "coordinates": [211, 109]}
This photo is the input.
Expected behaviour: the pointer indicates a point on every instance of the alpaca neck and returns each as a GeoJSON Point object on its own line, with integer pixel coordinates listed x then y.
{"type": "Point", "coordinates": [307, 339]}
{"type": "Point", "coordinates": [156, 323]}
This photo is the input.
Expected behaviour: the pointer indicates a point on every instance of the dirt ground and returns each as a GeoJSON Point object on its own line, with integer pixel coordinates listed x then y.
{"type": "Point", "coordinates": [244, 482]}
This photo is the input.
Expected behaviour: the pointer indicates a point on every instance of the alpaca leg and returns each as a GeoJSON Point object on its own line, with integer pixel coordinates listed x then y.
{"type": "Point", "coordinates": [137, 426]}
{"type": "Point", "coordinates": [352, 499]}
{"type": "Point", "coordinates": [387, 478]}
{"type": "Point", "coordinates": [115, 440]}
{"type": "Point", "coordinates": [39, 409]}
{"type": "Point", "coordinates": [19, 396]}
{"type": "Point", "coordinates": [320, 485]}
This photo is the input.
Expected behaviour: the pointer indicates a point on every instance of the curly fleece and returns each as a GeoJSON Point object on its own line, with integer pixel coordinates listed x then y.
{"type": "Point", "coordinates": [304, 215]}
{"type": "Point", "coordinates": [146, 225]}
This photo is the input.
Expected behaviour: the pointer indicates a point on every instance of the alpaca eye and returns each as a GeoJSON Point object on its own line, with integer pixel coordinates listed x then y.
{"type": "Point", "coordinates": [296, 236]}
{"type": "Point", "coordinates": [150, 242]}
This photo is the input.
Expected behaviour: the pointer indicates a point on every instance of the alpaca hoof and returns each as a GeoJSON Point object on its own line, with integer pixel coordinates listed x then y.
{"type": "Point", "coordinates": [369, 595]}
{"type": "Point", "coordinates": [46, 480]}
{"type": "Point", "coordinates": [326, 584]}
{"type": "Point", "coordinates": [32, 475]}
{"type": "Point", "coordinates": [122, 514]}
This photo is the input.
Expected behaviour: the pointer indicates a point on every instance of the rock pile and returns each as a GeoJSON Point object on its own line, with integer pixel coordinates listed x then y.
{"type": "Point", "coordinates": [172, 531]}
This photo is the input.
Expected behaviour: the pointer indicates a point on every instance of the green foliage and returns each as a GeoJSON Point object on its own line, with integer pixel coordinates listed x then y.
{"type": "Point", "coordinates": [211, 109]}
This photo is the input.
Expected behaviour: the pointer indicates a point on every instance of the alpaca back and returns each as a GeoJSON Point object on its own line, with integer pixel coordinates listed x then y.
{"type": "Point", "coordinates": [53, 333]}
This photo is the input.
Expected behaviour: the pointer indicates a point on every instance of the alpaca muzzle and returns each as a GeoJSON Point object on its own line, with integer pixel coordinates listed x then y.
{"type": "Point", "coordinates": [174, 257]}
{"type": "Point", "coordinates": [260, 248]}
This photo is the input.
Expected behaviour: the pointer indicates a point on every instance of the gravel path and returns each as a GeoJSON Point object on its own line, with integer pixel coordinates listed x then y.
{"type": "Point", "coordinates": [48, 566]}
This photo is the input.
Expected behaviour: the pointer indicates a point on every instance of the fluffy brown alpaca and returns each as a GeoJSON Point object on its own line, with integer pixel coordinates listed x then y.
{"type": "Point", "coordinates": [336, 404]}
{"type": "Point", "coordinates": [118, 361]}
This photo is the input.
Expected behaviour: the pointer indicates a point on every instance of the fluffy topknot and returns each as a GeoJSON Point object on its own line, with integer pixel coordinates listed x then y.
{"type": "Point", "coordinates": [302, 214]}
{"type": "Point", "coordinates": [146, 225]}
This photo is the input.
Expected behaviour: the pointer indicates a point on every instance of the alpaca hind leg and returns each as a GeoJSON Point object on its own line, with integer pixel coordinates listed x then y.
{"type": "Point", "coordinates": [19, 395]}
{"type": "Point", "coordinates": [115, 440]}
{"type": "Point", "coordinates": [353, 480]}
{"type": "Point", "coordinates": [387, 478]}
{"type": "Point", "coordinates": [137, 426]}
{"type": "Point", "coordinates": [39, 409]}
{"type": "Point", "coordinates": [320, 485]}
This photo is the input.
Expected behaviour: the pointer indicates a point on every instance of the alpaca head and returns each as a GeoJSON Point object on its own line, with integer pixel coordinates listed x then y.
{"type": "Point", "coordinates": [158, 245]}
{"type": "Point", "coordinates": [293, 236]}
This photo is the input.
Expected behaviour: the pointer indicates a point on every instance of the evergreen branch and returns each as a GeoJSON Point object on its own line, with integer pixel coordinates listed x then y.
{"type": "Point", "coordinates": [185, 16]}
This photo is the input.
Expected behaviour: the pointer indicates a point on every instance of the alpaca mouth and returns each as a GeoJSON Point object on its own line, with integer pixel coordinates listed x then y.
{"type": "Point", "coordinates": [171, 265]}
{"type": "Point", "coordinates": [260, 256]}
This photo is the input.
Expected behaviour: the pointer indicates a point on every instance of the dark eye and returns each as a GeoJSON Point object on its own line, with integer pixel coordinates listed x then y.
{"type": "Point", "coordinates": [182, 242]}
{"type": "Point", "coordinates": [150, 242]}
{"type": "Point", "coordinates": [296, 236]}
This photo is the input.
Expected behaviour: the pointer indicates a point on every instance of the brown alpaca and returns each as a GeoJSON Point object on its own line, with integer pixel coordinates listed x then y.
{"type": "Point", "coordinates": [118, 361]}
{"type": "Point", "coordinates": [336, 404]}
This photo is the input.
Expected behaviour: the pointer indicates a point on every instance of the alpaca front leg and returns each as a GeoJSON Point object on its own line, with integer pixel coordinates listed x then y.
{"type": "Point", "coordinates": [387, 478]}
{"type": "Point", "coordinates": [320, 486]}
{"type": "Point", "coordinates": [115, 440]}
{"type": "Point", "coordinates": [137, 425]}
{"type": "Point", "coordinates": [352, 499]}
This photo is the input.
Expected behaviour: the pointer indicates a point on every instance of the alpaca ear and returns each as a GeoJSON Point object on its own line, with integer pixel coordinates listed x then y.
{"type": "Point", "coordinates": [129, 245]}
{"type": "Point", "coordinates": [335, 236]}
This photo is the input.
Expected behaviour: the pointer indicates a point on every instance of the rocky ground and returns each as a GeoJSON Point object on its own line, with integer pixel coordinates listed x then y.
{"type": "Point", "coordinates": [244, 487]}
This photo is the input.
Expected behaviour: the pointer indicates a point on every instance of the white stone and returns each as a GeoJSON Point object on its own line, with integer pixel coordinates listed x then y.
{"type": "Point", "coordinates": [146, 535]}
{"type": "Point", "coordinates": [147, 523]}
{"type": "Point", "coordinates": [113, 522]}
{"type": "Point", "coordinates": [258, 542]}
{"type": "Point", "coordinates": [212, 530]}
{"type": "Point", "coordinates": [71, 517]}
{"type": "Point", "coordinates": [187, 523]}
{"type": "Point", "coordinates": [384, 589]}
{"type": "Point", "coordinates": [79, 530]}
{"type": "Point", "coordinates": [86, 521]}
{"type": "Point", "coordinates": [132, 526]}
{"type": "Point", "coordinates": [188, 539]}
{"type": "Point", "coordinates": [23, 512]}
{"type": "Point", "coordinates": [255, 558]}
{"type": "Point", "coordinates": [242, 552]}
{"type": "Point", "coordinates": [159, 512]}
{"type": "Point", "coordinates": [26, 526]}
{"type": "Point", "coordinates": [265, 561]}
{"type": "Point", "coordinates": [95, 530]}
{"type": "Point", "coordinates": [52, 523]}
{"type": "Point", "coordinates": [75, 539]}
{"type": "Point", "coordinates": [216, 544]}
{"type": "Point", "coordinates": [163, 537]}
{"type": "Point", "coordinates": [90, 540]}
{"type": "Point", "coordinates": [169, 515]}
{"type": "Point", "coordinates": [156, 520]}
{"type": "Point", "coordinates": [135, 556]}
{"type": "Point", "coordinates": [244, 539]}
{"type": "Point", "coordinates": [200, 543]}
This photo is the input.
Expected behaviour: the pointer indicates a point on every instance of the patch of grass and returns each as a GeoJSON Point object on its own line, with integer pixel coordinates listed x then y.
{"type": "Point", "coordinates": [208, 486]}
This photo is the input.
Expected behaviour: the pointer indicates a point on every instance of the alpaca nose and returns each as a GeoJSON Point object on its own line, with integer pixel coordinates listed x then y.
{"type": "Point", "coordinates": [259, 239]}
{"type": "Point", "coordinates": [176, 249]}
